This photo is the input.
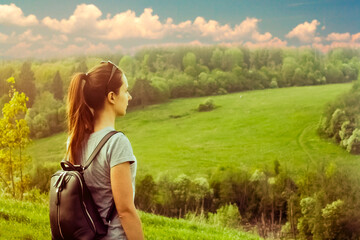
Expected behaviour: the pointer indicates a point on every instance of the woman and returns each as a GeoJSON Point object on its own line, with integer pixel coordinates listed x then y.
{"type": "Point", "coordinates": [94, 101]}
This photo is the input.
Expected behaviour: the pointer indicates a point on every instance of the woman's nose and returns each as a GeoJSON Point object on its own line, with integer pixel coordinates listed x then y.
{"type": "Point", "coordinates": [130, 97]}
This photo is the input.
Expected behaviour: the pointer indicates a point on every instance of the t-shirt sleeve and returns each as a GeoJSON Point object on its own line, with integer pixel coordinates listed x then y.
{"type": "Point", "coordinates": [120, 150]}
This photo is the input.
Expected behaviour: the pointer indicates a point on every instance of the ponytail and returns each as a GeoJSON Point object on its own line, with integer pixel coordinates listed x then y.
{"type": "Point", "coordinates": [80, 117]}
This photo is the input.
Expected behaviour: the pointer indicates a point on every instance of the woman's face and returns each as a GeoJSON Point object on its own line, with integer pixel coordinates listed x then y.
{"type": "Point", "coordinates": [122, 98]}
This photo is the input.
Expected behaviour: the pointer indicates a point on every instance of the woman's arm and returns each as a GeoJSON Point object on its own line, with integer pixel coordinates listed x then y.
{"type": "Point", "coordinates": [120, 176]}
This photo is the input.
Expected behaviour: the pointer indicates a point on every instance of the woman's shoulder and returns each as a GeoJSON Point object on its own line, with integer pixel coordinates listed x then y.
{"type": "Point", "coordinates": [119, 138]}
{"type": "Point", "coordinates": [119, 149]}
{"type": "Point", "coordinates": [119, 141]}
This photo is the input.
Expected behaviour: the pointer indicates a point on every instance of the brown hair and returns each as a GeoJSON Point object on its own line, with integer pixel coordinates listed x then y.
{"type": "Point", "coordinates": [88, 90]}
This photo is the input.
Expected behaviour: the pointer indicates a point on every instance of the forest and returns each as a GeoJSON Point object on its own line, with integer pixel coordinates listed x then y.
{"type": "Point", "coordinates": [158, 74]}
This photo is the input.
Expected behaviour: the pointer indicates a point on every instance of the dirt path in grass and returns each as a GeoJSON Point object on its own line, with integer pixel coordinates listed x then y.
{"type": "Point", "coordinates": [301, 142]}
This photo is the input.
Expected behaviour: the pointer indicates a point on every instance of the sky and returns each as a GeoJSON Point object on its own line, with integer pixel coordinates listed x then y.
{"type": "Point", "coordinates": [52, 28]}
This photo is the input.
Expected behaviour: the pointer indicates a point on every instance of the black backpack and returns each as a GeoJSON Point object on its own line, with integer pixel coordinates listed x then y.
{"type": "Point", "coordinates": [73, 212]}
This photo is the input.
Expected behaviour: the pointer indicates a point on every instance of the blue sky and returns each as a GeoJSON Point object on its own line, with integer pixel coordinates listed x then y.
{"type": "Point", "coordinates": [47, 28]}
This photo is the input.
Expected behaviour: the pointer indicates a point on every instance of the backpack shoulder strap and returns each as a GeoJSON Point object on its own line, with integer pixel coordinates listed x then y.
{"type": "Point", "coordinates": [98, 148]}
{"type": "Point", "coordinates": [91, 159]}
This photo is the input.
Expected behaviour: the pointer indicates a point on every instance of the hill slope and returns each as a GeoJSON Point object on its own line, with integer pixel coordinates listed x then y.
{"type": "Point", "coordinates": [26, 220]}
{"type": "Point", "coordinates": [248, 129]}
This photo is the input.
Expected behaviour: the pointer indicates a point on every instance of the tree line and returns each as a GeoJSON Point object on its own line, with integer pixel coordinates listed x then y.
{"type": "Point", "coordinates": [341, 120]}
{"type": "Point", "coordinates": [322, 203]}
{"type": "Point", "coordinates": [158, 74]}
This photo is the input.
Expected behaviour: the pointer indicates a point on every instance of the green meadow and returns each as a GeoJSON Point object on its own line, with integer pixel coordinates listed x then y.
{"type": "Point", "coordinates": [18, 221]}
{"type": "Point", "coordinates": [249, 130]}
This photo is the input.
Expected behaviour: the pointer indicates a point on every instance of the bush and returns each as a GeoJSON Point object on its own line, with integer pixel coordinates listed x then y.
{"type": "Point", "coordinates": [340, 120]}
{"type": "Point", "coordinates": [47, 116]}
{"type": "Point", "coordinates": [41, 176]}
{"type": "Point", "coordinates": [145, 193]}
{"type": "Point", "coordinates": [226, 216]}
{"type": "Point", "coordinates": [206, 106]}
{"type": "Point", "coordinates": [332, 215]}
{"type": "Point", "coordinates": [273, 83]}
{"type": "Point", "coordinates": [353, 144]}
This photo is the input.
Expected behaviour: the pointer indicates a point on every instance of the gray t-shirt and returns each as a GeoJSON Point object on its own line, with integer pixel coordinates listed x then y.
{"type": "Point", "coordinates": [97, 177]}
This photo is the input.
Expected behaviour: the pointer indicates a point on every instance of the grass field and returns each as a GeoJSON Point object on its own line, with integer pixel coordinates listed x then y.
{"type": "Point", "coordinates": [30, 221]}
{"type": "Point", "coordinates": [248, 130]}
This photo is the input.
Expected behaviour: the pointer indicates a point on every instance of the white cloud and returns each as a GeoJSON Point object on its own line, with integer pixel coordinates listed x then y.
{"type": "Point", "coordinates": [84, 18]}
{"type": "Point", "coordinates": [164, 45]}
{"type": "Point", "coordinates": [273, 43]}
{"type": "Point", "coordinates": [326, 47]}
{"type": "Point", "coordinates": [127, 25]}
{"type": "Point", "coordinates": [59, 39]}
{"type": "Point", "coordinates": [50, 49]}
{"type": "Point", "coordinates": [79, 39]}
{"type": "Point", "coordinates": [97, 48]}
{"type": "Point", "coordinates": [261, 37]}
{"type": "Point", "coordinates": [86, 21]}
{"type": "Point", "coordinates": [355, 37]}
{"type": "Point", "coordinates": [246, 30]}
{"type": "Point", "coordinates": [11, 14]}
{"type": "Point", "coordinates": [211, 28]}
{"type": "Point", "coordinates": [20, 50]}
{"type": "Point", "coordinates": [119, 47]}
{"type": "Point", "coordinates": [81, 32]}
{"type": "Point", "coordinates": [338, 37]}
{"type": "Point", "coordinates": [3, 38]}
{"type": "Point", "coordinates": [305, 32]}
{"type": "Point", "coordinates": [29, 36]}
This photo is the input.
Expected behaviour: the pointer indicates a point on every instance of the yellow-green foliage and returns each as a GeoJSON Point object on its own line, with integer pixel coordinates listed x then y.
{"type": "Point", "coordinates": [14, 137]}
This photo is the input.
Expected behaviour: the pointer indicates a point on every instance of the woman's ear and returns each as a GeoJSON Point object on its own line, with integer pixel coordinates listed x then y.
{"type": "Point", "coordinates": [111, 97]}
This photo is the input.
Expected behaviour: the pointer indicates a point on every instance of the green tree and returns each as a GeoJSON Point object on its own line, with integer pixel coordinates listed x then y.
{"type": "Point", "coordinates": [26, 83]}
{"type": "Point", "coordinates": [57, 87]}
{"type": "Point", "coordinates": [189, 60]}
{"type": "Point", "coordinates": [333, 74]}
{"type": "Point", "coordinates": [128, 65]}
{"type": "Point", "coordinates": [82, 67]}
{"type": "Point", "coordinates": [232, 57]}
{"type": "Point", "coordinates": [46, 117]}
{"type": "Point", "coordinates": [217, 58]}
{"type": "Point", "coordinates": [14, 137]}
{"type": "Point", "coordinates": [146, 190]}
{"type": "Point", "coordinates": [5, 72]}
{"type": "Point", "coordinates": [287, 71]}
{"type": "Point", "coordinates": [259, 58]}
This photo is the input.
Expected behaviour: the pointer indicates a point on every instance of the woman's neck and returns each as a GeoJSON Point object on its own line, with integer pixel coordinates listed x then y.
{"type": "Point", "coordinates": [104, 118]}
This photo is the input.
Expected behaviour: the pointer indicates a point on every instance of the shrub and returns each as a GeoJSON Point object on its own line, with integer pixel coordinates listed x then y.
{"type": "Point", "coordinates": [47, 116]}
{"type": "Point", "coordinates": [41, 176]}
{"type": "Point", "coordinates": [273, 83]}
{"type": "Point", "coordinates": [345, 133]}
{"type": "Point", "coordinates": [332, 215]}
{"type": "Point", "coordinates": [206, 106]}
{"type": "Point", "coordinates": [341, 119]}
{"type": "Point", "coordinates": [226, 216]}
{"type": "Point", "coordinates": [354, 142]}
{"type": "Point", "coordinates": [145, 193]}
{"type": "Point", "coordinates": [337, 118]}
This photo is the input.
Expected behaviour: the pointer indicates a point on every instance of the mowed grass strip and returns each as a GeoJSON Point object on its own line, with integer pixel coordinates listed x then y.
{"type": "Point", "coordinates": [248, 130]}
{"type": "Point", "coordinates": [26, 220]}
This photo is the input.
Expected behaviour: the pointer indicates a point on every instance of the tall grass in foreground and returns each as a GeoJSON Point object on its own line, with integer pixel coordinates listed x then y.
{"type": "Point", "coordinates": [27, 220]}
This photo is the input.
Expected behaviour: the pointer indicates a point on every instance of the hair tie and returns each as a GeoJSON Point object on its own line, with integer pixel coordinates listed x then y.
{"type": "Point", "coordinates": [86, 77]}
